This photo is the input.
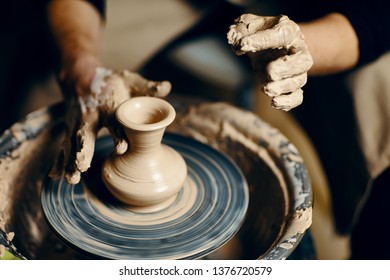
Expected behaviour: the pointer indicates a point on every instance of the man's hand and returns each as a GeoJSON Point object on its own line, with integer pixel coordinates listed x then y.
{"type": "Point", "coordinates": [276, 46]}
{"type": "Point", "coordinates": [93, 107]}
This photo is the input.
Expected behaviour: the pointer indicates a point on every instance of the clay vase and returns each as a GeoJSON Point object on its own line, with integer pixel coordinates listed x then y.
{"type": "Point", "coordinates": [150, 174]}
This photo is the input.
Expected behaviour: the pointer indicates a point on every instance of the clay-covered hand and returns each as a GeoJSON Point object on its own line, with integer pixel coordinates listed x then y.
{"type": "Point", "coordinates": [93, 108]}
{"type": "Point", "coordinates": [277, 47]}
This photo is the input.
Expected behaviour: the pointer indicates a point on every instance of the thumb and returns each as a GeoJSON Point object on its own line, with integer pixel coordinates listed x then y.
{"type": "Point", "coordinates": [140, 86]}
{"type": "Point", "coordinates": [281, 35]}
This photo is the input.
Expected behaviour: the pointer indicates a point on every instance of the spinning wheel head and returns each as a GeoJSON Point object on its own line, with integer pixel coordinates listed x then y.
{"type": "Point", "coordinates": [205, 214]}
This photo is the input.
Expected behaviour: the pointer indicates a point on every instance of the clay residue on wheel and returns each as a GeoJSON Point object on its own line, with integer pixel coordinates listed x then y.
{"type": "Point", "coordinates": [260, 151]}
{"type": "Point", "coordinates": [22, 171]}
{"type": "Point", "coordinates": [255, 147]}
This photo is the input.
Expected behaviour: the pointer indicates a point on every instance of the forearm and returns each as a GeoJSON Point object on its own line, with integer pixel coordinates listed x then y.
{"type": "Point", "coordinates": [75, 26]}
{"type": "Point", "coordinates": [332, 43]}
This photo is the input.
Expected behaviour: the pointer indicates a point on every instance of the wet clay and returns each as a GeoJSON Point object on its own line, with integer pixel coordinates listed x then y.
{"type": "Point", "coordinates": [280, 192]}
{"type": "Point", "coordinates": [88, 114]}
{"type": "Point", "coordinates": [150, 174]}
{"type": "Point", "coordinates": [281, 53]}
{"type": "Point", "coordinates": [21, 176]}
{"type": "Point", "coordinates": [205, 214]}
{"type": "Point", "coordinates": [270, 162]}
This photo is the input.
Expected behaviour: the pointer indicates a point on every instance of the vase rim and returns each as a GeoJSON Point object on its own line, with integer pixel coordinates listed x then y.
{"type": "Point", "coordinates": [145, 113]}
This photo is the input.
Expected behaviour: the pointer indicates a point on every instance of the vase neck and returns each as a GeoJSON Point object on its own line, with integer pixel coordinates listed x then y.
{"type": "Point", "coordinates": [144, 141]}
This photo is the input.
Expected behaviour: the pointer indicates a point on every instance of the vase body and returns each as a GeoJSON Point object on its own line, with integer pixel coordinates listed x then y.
{"type": "Point", "coordinates": [149, 174]}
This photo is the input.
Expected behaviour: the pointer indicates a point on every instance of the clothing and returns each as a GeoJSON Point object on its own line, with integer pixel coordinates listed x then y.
{"type": "Point", "coordinates": [23, 55]}
{"type": "Point", "coordinates": [370, 21]}
{"type": "Point", "coordinates": [368, 18]}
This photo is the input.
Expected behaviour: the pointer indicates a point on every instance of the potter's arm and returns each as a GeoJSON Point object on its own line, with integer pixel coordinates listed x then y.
{"type": "Point", "coordinates": [332, 42]}
{"type": "Point", "coordinates": [288, 51]}
{"type": "Point", "coordinates": [75, 26]}
{"type": "Point", "coordinates": [91, 91]}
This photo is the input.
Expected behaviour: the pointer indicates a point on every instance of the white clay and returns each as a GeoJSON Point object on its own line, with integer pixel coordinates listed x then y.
{"type": "Point", "coordinates": [150, 174]}
{"type": "Point", "coordinates": [87, 114]}
{"type": "Point", "coordinates": [285, 75]}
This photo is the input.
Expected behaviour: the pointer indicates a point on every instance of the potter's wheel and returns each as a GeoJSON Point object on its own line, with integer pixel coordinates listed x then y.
{"type": "Point", "coordinates": [207, 212]}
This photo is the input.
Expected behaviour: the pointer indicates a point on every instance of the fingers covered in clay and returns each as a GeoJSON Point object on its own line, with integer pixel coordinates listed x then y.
{"type": "Point", "coordinates": [118, 134]}
{"type": "Point", "coordinates": [86, 114]}
{"type": "Point", "coordinates": [65, 161]}
{"type": "Point", "coordinates": [245, 26]}
{"type": "Point", "coordinates": [288, 101]}
{"type": "Point", "coordinates": [284, 86]}
{"type": "Point", "coordinates": [284, 73]}
{"type": "Point", "coordinates": [86, 137]}
{"type": "Point", "coordinates": [83, 146]}
{"type": "Point", "coordinates": [117, 87]}
{"type": "Point", "coordinates": [110, 88]}
{"type": "Point", "coordinates": [252, 33]}
{"type": "Point", "coordinates": [139, 86]}
{"type": "Point", "coordinates": [289, 66]}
